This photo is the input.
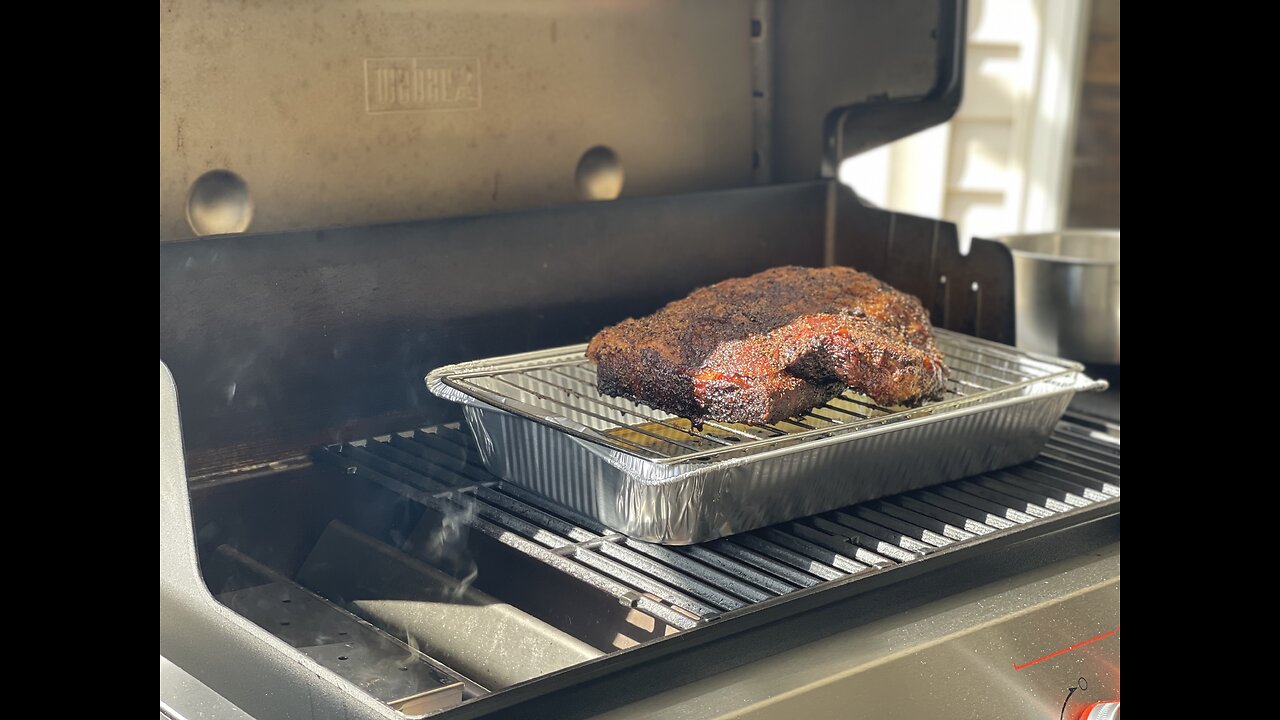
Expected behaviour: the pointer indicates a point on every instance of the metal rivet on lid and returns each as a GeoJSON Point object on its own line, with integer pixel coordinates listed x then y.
{"type": "Point", "coordinates": [219, 203]}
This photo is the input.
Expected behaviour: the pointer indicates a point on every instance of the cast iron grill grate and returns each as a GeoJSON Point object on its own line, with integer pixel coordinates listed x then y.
{"type": "Point", "coordinates": [440, 467]}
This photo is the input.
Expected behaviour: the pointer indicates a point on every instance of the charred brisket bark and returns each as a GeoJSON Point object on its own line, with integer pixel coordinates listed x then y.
{"type": "Point", "coordinates": [773, 345]}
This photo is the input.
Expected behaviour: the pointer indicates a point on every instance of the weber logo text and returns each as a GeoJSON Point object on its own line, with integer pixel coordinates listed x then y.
{"type": "Point", "coordinates": [409, 84]}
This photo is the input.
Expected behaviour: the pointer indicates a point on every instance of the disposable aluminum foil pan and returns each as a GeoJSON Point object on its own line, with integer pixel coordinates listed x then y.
{"type": "Point", "coordinates": [540, 424]}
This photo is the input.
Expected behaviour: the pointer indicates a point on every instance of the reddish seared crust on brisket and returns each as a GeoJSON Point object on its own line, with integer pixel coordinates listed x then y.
{"type": "Point", "coordinates": [773, 345]}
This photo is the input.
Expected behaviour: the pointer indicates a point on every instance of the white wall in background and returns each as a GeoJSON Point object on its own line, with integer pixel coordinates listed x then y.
{"type": "Point", "coordinates": [1000, 166]}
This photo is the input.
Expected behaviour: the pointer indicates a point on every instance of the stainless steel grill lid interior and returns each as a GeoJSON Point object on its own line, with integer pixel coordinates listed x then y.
{"type": "Point", "coordinates": [689, 96]}
{"type": "Point", "coordinates": [540, 422]}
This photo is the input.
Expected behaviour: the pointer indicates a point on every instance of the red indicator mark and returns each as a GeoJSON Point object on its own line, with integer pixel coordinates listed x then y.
{"type": "Point", "coordinates": [1065, 650]}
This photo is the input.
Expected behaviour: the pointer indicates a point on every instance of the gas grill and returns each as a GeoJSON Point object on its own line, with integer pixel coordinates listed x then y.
{"type": "Point", "coordinates": [332, 542]}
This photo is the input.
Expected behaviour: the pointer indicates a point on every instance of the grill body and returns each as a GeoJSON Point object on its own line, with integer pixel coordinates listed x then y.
{"type": "Point", "coordinates": [390, 239]}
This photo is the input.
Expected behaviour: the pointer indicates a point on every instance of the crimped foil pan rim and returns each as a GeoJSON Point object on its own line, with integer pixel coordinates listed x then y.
{"type": "Point", "coordinates": [653, 472]}
{"type": "Point", "coordinates": [443, 382]}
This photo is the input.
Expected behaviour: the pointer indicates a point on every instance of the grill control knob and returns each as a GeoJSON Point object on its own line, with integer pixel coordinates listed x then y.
{"type": "Point", "coordinates": [1101, 711]}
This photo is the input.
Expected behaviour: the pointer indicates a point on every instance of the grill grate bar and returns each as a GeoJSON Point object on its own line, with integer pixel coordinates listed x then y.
{"type": "Point", "coordinates": [1066, 444]}
{"type": "Point", "coordinates": [1099, 485]}
{"type": "Point", "coordinates": [687, 584]}
{"type": "Point", "coordinates": [869, 551]}
{"type": "Point", "coordinates": [452, 443]}
{"type": "Point", "coordinates": [788, 573]}
{"type": "Point", "coordinates": [551, 508]}
{"type": "Point", "coordinates": [440, 466]}
{"type": "Point", "coordinates": [1040, 477]}
{"type": "Point", "coordinates": [976, 520]}
{"type": "Point", "coordinates": [428, 462]}
{"type": "Point", "coordinates": [1066, 457]}
{"type": "Point", "coordinates": [873, 537]}
{"type": "Point", "coordinates": [833, 557]}
{"type": "Point", "coordinates": [1085, 446]}
{"type": "Point", "coordinates": [367, 459]}
{"type": "Point", "coordinates": [982, 487]}
{"type": "Point", "coordinates": [806, 563]}
{"type": "Point", "coordinates": [683, 586]}
{"type": "Point", "coordinates": [997, 510]}
{"type": "Point", "coordinates": [644, 583]}
{"type": "Point", "coordinates": [533, 515]}
{"type": "Point", "coordinates": [718, 559]}
{"type": "Point", "coordinates": [922, 515]}
{"type": "Point", "coordinates": [1048, 458]}
{"type": "Point", "coordinates": [1098, 452]}
{"type": "Point", "coordinates": [1065, 498]}
{"type": "Point", "coordinates": [678, 561]}
{"type": "Point", "coordinates": [901, 525]}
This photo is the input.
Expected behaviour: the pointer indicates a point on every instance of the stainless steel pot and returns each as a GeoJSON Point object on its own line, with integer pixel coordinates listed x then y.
{"type": "Point", "coordinates": [1067, 293]}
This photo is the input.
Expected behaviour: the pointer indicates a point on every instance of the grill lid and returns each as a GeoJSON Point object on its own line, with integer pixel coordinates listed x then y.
{"type": "Point", "coordinates": [393, 112]}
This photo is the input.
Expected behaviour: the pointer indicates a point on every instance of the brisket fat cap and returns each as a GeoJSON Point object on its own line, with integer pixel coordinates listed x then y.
{"type": "Point", "coordinates": [773, 345]}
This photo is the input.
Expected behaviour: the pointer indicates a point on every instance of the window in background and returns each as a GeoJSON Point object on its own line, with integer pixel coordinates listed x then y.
{"type": "Point", "coordinates": [1003, 163]}
{"type": "Point", "coordinates": [1095, 179]}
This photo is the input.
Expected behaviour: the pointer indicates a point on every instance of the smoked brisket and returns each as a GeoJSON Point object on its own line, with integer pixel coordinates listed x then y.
{"type": "Point", "coordinates": [774, 345]}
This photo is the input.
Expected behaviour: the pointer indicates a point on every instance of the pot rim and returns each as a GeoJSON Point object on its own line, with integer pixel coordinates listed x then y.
{"type": "Point", "coordinates": [1062, 259]}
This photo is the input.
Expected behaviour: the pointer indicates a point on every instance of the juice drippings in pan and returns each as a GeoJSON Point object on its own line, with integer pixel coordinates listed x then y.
{"type": "Point", "coordinates": [849, 407]}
